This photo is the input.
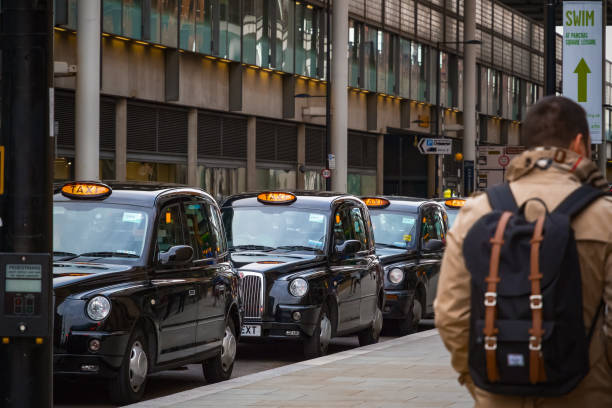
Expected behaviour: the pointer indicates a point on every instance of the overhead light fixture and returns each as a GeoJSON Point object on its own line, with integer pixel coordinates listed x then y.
{"type": "Point", "coordinates": [210, 57]}
{"type": "Point", "coordinates": [106, 35]}
{"type": "Point", "coordinates": [141, 42]}
{"type": "Point", "coordinates": [59, 28]}
{"type": "Point", "coordinates": [163, 47]}
{"type": "Point", "coordinates": [118, 37]}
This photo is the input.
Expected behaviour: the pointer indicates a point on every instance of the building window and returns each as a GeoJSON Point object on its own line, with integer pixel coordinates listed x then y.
{"type": "Point", "coordinates": [154, 22]}
{"type": "Point", "coordinates": [418, 73]}
{"type": "Point", "coordinates": [405, 55]}
{"type": "Point", "coordinates": [313, 180]}
{"type": "Point", "coordinates": [203, 26]}
{"type": "Point", "coordinates": [164, 172]}
{"type": "Point", "coordinates": [355, 41]}
{"type": "Point", "coordinates": [169, 23]}
{"type": "Point", "coordinates": [64, 169]}
{"type": "Point", "coordinates": [306, 41]}
{"type": "Point", "coordinates": [111, 20]}
{"type": "Point", "coordinates": [221, 182]}
{"type": "Point", "coordinates": [369, 58]}
{"type": "Point", "coordinates": [386, 63]}
{"type": "Point", "coordinates": [276, 179]}
{"type": "Point", "coordinates": [187, 28]}
{"type": "Point", "coordinates": [361, 184]}
{"type": "Point", "coordinates": [132, 18]}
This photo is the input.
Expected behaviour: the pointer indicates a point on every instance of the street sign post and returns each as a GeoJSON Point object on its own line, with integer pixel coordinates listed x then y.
{"type": "Point", "coordinates": [582, 56]}
{"type": "Point", "coordinates": [435, 146]}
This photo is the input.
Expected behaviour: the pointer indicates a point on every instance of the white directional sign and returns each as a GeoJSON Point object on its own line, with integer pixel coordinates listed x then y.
{"type": "Point", "coordinates": [582, 59]}
{"type": "Point", "coordinates": [435, 146]}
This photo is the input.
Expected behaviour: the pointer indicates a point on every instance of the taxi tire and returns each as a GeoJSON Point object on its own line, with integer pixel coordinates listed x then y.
{"type": "Point", "coordinates": [312, 344]}
{"type": "Point", "coordinates": [213, 367]}
{"type": "Point", "coordinates": [369, 335]}
{"type": "Point", "coordinates": [121, 393]}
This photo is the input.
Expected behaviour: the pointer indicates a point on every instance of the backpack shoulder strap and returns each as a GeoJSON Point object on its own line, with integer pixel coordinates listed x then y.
{"type": "Point", "coordinates": [501, 198]}
{"type": "Point", "coordinates": [579, 200]}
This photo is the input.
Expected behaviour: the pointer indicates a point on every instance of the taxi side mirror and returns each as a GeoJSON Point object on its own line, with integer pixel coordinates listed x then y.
{"type": "Point", "coordinates": [177, 255]}
{"type": "Point", "coordinates": [349, 247]}
{"type": "Point", "coordinates": [433, 245]}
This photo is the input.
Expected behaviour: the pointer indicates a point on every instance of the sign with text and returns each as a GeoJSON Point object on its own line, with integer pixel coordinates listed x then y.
{"type": "Point", "coordinates": [582, 60]}
{"type": "Point", "coordinates": [435, 146]}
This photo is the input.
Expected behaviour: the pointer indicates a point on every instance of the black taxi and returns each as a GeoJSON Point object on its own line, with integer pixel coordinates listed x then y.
{"type": "Point", "coordinates": [143, 282]}
{"type": "Point", "coordinates": [309, 267]}
{"type": "Point", "coordinates": [410, 238]}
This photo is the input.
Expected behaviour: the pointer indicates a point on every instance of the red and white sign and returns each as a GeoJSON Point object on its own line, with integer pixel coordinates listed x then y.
{"type": "Point", "coordinates": [326, 173]}
{"type": "Point", "coordinates": [504, 160]}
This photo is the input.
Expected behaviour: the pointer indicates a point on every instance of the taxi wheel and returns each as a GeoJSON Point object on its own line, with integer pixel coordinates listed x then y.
{"type": "Point", "coordinates": [317, 344]}
{"type": "Point", "coordinates": [371, 335]}
{"type": "Point", "coordinates": [129, 384]}
{"type": "Point", "coordinates": [220, 367]}
{"type": "Point", "coordinates": [411, 323]}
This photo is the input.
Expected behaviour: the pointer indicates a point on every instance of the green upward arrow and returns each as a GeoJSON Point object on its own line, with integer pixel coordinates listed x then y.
{"type": "Point", "coordinates": [582, 69]}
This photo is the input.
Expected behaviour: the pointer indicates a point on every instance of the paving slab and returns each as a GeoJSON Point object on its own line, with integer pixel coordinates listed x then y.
{"type": "Point", "coordinates": [410, 371]}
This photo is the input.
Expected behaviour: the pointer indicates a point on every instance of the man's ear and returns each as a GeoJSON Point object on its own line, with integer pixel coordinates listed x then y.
{"type": "Point", "coordinates": [578, 146]}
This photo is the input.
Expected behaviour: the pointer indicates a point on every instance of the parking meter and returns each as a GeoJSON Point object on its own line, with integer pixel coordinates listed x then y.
{"type": "Point", "coordinates": [25, 304]}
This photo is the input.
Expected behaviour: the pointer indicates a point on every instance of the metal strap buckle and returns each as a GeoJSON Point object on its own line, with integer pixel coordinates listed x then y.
{"type": "Point", "coordinates": [490, 299]}
{"type": "Point", "coordinates": [535, 343]}
{"type": "Point", "coordinates": [535, 301]}
{"type": "Point", "coordinates": [490, 342]}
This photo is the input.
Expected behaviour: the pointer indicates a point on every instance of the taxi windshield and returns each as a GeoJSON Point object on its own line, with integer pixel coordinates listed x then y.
{"type": "Point", "coordinates": [452, 214]}
{"type": "Point", "coordinates": [394, 230]}
{"type": "Point", "coordinates": [93, 229]}
{"type": "Point", "coordinates": [270, 228]}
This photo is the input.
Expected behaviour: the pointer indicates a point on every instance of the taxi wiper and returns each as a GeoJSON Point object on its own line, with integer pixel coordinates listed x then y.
{"type": "Point", "coordinates": [299, 248]}
{"type": "Point", "coordinates": [380, 244]}
{"type": "Point", "coordinates": [108, 254]}
{"type": "Point", "coordinates": [65, 255]}
{"type": "Point", "coordinates": [252, 248]}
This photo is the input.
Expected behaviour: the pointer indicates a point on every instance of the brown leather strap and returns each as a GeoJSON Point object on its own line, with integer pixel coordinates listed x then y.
{"type": "Point", "coordinates": [490, 298]}
{"type": "Point", "coordinates": [536, 363]}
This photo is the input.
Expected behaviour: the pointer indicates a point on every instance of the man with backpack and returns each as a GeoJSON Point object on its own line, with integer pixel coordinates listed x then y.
{"type": "Point", "coordinates": [526, 281]}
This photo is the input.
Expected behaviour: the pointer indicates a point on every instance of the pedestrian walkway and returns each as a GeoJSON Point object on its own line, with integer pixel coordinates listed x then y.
{"type": "Point", "coordinates": [411, 371]}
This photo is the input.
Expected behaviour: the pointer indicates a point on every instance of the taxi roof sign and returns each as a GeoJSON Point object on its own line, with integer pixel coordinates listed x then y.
{"type": "Point", "coordinates": [375, 202]}
{"type": "Point", "coordinates": [86, 190]}
{"type": "Point", "coordinates": [455, 203]}
{"type": "Point", "coordinates": [276, 197]}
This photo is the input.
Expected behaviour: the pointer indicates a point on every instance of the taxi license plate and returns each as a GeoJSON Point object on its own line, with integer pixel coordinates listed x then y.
{"type": "Point", "coordinates": [251, 330]}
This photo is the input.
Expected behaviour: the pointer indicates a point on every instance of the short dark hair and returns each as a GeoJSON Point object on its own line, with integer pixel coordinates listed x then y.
{"type": "Point", "coordinates": [555, 121]}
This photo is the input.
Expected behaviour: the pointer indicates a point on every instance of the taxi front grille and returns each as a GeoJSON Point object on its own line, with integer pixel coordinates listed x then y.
{"type": "Point", "coordinates": [252, 294]}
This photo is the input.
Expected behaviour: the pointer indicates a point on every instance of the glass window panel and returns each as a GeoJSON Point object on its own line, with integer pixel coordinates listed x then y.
{"type": "Point", "coordinates": [166, 172]}
{"type": "Point", "coordinates": [436, 26]}
{"type": "Point", "coordinates": [313, 180]}
{"type": "Point", "coordinates": [498, 18]}
{"type": "Point", "coordinates": [507, 54]}
{"type": "Point", "coordinates": [221, 47]}
{"type": "Point", "coordinates": [460, 84]}
{"type": "Point", "coordinates": [405, 55]}
{"type": "Point", "coordinates": [187, 22]}
{"type": "Point", "coordinates": [382, 61]}
{"type": "Point", "coordinates": [111, 16]}
{"type": "Point", "coordinates": [276, 179]}
{"type": "Point", "coordinates": [418, 74]}
{"type": "Point", "coordinates": [355, 32]}
{"type": "Point", "coordinates": [374, 10]}
{"type": "Point", "coordinates": [305, 57]}
{"type": "Point", "coordinates": [203, 26]}
{"type": "Point", "coordinates": [132, 18]}
{"type": "Point", "coordinates": [498, 51]}
{"type": "Point", "coordinates": [423, 21]}
{"type": "Point", "coordinates": [289, 36]}
{"type": "Point", "coordinates": [451, 32]}
{"type": "Point", "coordinates": [361, 184]}
{"type": "Point", "coordinates": [446, 94]}
{"type": "Point", "coordinates": [451, 5]}
{"type": "Point", "coordinates": [221, 182]}
{"type": "Point", "coordinates": [233, 33]}
{"type": "Point", "coordinates": [169, 23]}
{"type": "Point", "coordinates": [369, 56]}
{"type": "Point", "coordinates": [154, 29]}
{"type": "Point", "coordinates": [262, 35]}
{"type": "Point", "coordinates": [357, 7]}
{"type": "Point", "coordinates": [249, 32]}
{"type": "Point", "coordinates": [392, 13]}
{"type": "Point", "coordinates": [487, 13]}
{"type": "Point", "coordinates": [478, 12]}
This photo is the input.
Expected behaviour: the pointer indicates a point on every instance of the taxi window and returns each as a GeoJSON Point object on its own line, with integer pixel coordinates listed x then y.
{"type": "Point", "coordinates": [202, 238]}
{"type": "Point", "coordinates": [217, 228]}
{"type": "Point", "coordinates": [349, 225]}
{"type": "Point", "coordinates": [169, 230]}
{"type": "Point", "coordinates": [359, 227]}
{"type": "Point", "coordinates": [432, 226]}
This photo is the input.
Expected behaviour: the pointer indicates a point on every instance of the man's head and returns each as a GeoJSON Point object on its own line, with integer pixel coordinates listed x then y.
{"type": "Point", "coordinates": [559, 122]}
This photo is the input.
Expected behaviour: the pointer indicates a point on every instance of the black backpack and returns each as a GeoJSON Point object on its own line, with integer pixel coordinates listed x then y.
{"type": "Point", "coordinates": [527, 335]}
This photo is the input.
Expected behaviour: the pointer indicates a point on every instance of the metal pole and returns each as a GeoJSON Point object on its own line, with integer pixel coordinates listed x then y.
{"type": "Point", "coordinates": [469, 96]}
{"type": "Point", "coordinates": [328, 92]}
{"type": "Point", "coordinates": [550, 37]}
{"type": "Point", "coordinates": [438, 185]}
{"type": "Point", "coordinates": [339, 83]}
{"type": "Point", "coordinates": [26, 378]}
{"type": "Point", "coordinates": [87, 136]}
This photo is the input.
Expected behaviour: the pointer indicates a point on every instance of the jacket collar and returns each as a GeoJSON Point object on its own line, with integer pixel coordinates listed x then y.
{"type": "Point", "coordinates": [564, 160]}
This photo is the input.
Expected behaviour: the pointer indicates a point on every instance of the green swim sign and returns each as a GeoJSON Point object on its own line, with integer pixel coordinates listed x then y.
{"type": "Point", "coordinates": [582, 70]}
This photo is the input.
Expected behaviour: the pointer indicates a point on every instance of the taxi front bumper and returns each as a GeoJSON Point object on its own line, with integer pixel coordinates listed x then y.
{"type": "Point", "coordinates": [76, 358]}
{"type": "Point", "coordinates": [284, 324]}
{"type": "Point", "coordinates": [398, 304]}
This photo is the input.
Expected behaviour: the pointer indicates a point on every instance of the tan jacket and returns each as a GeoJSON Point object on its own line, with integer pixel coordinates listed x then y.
{"type": "Point", "coordinates": [530, 177]}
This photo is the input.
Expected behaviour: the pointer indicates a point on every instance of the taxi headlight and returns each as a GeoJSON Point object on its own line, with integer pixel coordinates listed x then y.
{"type": "Point", "coordinates": [98, 308]}
{"type": "Point", "coordinates": [396, 275]}
{"type": "Point", "coordinates": [298, 287]}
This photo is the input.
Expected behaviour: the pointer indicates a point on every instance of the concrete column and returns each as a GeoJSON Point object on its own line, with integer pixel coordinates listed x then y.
{"type": "Point", "coordinates": [192, 148]}
{"type": "Point", "coordinates": [339, 83]}
{"type": "Point", "coordinates": [121, 139]}
{"type": "Point", "coordinates": [380, 164]}
{"type": "Point", "coordinates": [251, 153]}
{"type": "Point", "coordinates": [301, 155]}
{"type": "Point", "coordinates": [469, 84]}
{"type": "Point", "coordinates": [87, 126]}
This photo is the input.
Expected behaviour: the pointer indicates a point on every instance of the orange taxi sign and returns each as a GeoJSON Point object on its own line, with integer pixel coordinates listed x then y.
{"type": "Point", "coordinates": [276, 197]}
{"type": "Point", "coordinates": [375, 202]}
{"type": "Point", "coordinates": [87, 190]}
{"type": "Point", "coordinates": [455, 203]}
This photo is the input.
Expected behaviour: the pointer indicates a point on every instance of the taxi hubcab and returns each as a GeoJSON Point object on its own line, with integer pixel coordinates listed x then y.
{"type": "Point", "coordinates": [309, 267]}
{"type": "Point", "coordinates": [143, 282]}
